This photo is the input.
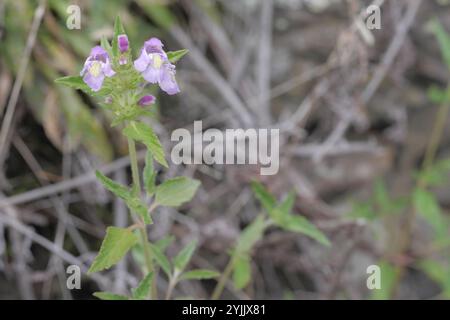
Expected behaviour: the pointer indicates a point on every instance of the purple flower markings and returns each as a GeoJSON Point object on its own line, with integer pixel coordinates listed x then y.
{"type": "Point", "coordinates": [146, 100]}
{"type": "Point", "coordinates": [96, 67]}
{"type": "Point", "coordinates": [156, 67]}
{"type": "Point", "coordinates": [123, 43]}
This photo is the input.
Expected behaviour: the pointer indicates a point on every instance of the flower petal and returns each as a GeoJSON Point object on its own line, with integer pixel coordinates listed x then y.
{"type": "Point", "coordinates": [167, 81]}
{"type": "Point", "coordinates": [141, 63]}
{"type": "Point", "coordinates": [151, 74]}
{"type": "Point", "coordinates": [95, 83]}
{"type": "Point", "coordinates": [107, 70]}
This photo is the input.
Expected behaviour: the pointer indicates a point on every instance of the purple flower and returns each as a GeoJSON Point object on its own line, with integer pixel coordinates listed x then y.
{"type": "Point", "coordinates": [122, 39]}
{"type": "Point", "coordinates": [96, 67]}
{"type": "Point", "coordinates": [146, 100]}
{"type": "Point", "coordinates": [156, 67]}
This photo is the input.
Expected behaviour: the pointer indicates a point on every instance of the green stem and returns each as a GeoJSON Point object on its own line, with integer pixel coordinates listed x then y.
{"type": "Point", "coordinates": [430, 155]}
{"type": "Point", "coordinates": [223, 279]}
{"type": "Point", "coordinates": [142, 230]}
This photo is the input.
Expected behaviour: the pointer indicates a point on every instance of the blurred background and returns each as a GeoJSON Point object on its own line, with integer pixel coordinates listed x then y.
{"type": "Point", "coordinates": [362, 118]}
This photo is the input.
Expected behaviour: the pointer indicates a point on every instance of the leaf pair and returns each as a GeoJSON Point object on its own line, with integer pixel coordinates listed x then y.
{"type": "Point", "coordinates": [282, 215]}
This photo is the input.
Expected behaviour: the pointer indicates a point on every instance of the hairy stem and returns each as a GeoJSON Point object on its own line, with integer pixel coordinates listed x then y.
{"type": "Point", "coordinates": [142, 230]}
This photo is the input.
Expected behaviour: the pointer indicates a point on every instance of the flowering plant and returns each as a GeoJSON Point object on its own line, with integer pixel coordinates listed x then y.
{"type": "Point", "coordinates": [110, 72]}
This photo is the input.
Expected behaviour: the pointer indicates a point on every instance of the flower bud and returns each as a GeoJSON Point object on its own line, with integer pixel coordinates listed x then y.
{"type": "Point", "coordinates": [146, 100]}
{"type": "Point", "coordinates": [123, 42]}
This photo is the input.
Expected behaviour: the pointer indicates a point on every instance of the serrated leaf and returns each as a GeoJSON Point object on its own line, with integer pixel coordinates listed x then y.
{"type": "Point", "coordinates": [267, 200]}
{"type": "Point", "coordinates": [116, 244]}
{"type": "Point", "coordinates": [242, 272]}
{"type": "Point", "coordinates": [175, 56]}
{"type": "Point", "coordinates": [118, 30]}
{"type": "Point", "coordinates": [116, 188]}
{"type": "Point", "coordinates": [428, 208]}
{"type": "Point", "coordinates": [133, 202]}
{"type": "Point", "coordinates": [149, 174]}
{"type": "Point", "coordinates": [301, 225]}
{"type": "Point", "coordinates": [184, 256]}
{"type": "Point", "coordinates": [109, 296]}
{"type": "Point", "coordinates": [250, 235]}
{"type": "Point", "coordinates": [143, 289]}
{"type": "Point", "coordinates": [161, 259]}
{"type": "Point", "coordinates": [140, 132]}
{"type": "Point", "coordinates": [174, 192]}
{"type": "Point", "coordinates": [199, 274]}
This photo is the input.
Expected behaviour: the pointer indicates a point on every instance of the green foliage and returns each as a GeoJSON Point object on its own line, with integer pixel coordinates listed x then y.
{"type": "Point", "coordinates": [118, 30]}
{"type": "Point", "coordinates": [76, 82]}
{"type": "Point", "coordinates": [109, 296]}
{"type": "Point", "coordinates": [161, 259]}
{"type": "Point", "coordinates": [175, 192]}
{"type": "Point", "coordinates": [175, 56]}
{"type": "Point", "coordinates": [282, 215]}
{"type": "Point", "coordinates": [443, 39]}
{"type": "Point", "coordinates": [133, 202]}
{"type": "Point", "coordinates": [388, 275]}
{"type": "Point", "coordinates": [140, 132]}
{"type": "Point", "coordinates": [242, 272]}
{"type": "Point", "coordinates": [149, 174]}
{"type": "Point", "coordinates": [199, 274]}
{"type": "Point", "coordinates": [428, 208]}
{"type": "Point", "coordinates": [143, 289]}
{"type": "Point", "coordinates": [184, 256]}
{"type": "Point", "coordinates": [115, 245]}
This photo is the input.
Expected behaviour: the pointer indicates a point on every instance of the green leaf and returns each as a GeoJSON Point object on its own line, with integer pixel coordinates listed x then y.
{"type": "Point", "coordinates": [115, 245]}
{"type": "Point", "coordinates": [116, 188]}
{"type": "Point", "coordinates": [140, 132]}
{"type": "Point", "coordinates": [161, 259]}
{"type": "Point", "coordinates": [184, 256]}
{"type": "Point", "coordinates": [133, 202]}
{"type": "Point", "coordinates": [163, 243]}
{"type": "Point", "coordinates": [105, 45]}
{"type": "Point", "coordinates": [242, 271]}
{"type": "Point", "coordinates": [284, 209]}
{"type": "Point", "coordinates": [251, 234]}
{"type": "Point", "coordinates": [437, 95]}
{"type": "Point", "coordinates": [109, 296]}
{"type": "Point", "coordinates": [175, 192]}
{"type": "Point", "coordinates": [442, 37]}
{"type": "Point", "coordinates": [301, 225]}
{"type": "Point", "coordinates": [199, 274]}
{"type": "Point", "coordinates": [435, 270]}
{"type": "Point", "coordinates": [175, 56]}
{"type": "Point", "coordinates": [267, 200]}
{"type": "Point", "coordinates": [76, 82]}
{"type": "Point", "coordinates": [388, 275]}
{"type": "Point", "coordinates": [118, 30]}
{"type": "Point", "coordinates": [149, 174]}
{"type": "Point", "coordinates": [437, 174]}
{"type": "Point", "coordinates": [428, 208]}
{"type": "Point", "coordinates": [143, 289]}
